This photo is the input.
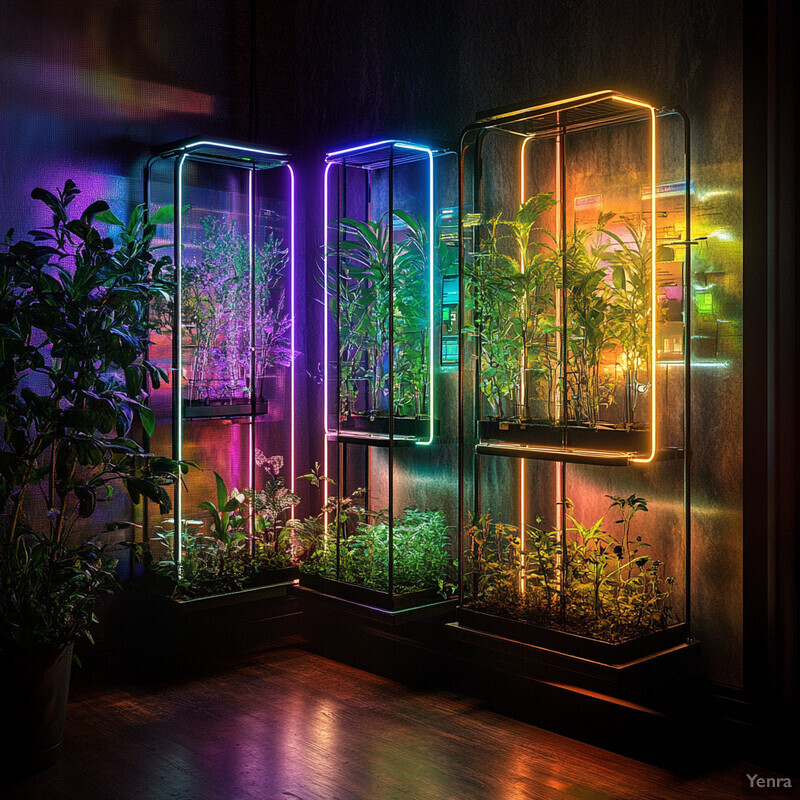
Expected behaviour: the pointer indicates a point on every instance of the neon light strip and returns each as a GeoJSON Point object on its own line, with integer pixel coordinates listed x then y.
{"type": "Point", "coordinates": [178, 331]}
{"type": "Point", "coordinates": [325, 326]}
{"type": "Point", "coordinates": [431, 398]}
{"type": "Point", "coordinates": [251, 477]}
{"type": "Point", "coordinates": [364, 147]}
{"type": "Point", "coordinates": [653, 284]}
{"type": "Point", "coordinates": [522, 508]}
{"type": "Point", "coordinates": [531, 111]}
{"type": "Point", "coordinates": [293, 334]}
{"type": "Point", "coordinates": [225, 146]}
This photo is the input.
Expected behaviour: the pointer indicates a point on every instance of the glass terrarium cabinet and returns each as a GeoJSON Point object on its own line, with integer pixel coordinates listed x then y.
{"type": "Point", "coordinates": [575, 263]}
{"type": "Point", "coordinates": [228, 335]}
{"type": "Point", "coordinates": [389, 528]}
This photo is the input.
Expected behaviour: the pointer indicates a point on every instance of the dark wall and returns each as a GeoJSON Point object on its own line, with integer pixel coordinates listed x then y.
{"type": "Point", "coordinates": [87, 88]}
{"type": "Point", "coordinates": [422, 71]}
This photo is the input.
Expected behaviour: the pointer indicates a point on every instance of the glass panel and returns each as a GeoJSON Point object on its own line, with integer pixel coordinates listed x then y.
{"type": "Point", "coordinates": [392, 458]}
{"type": "Point", "coordinates": [575, 259]}
{"type": "Point", "coordinates": [231, 412]}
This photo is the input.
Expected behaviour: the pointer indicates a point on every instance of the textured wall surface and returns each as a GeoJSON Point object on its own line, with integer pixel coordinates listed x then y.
{"type": "Point", "coordinates": [424, 70]}
{"type": "Point", "coordinates": [87, 89]}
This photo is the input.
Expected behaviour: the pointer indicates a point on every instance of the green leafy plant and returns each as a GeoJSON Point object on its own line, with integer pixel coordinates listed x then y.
{"type": "Point", "coordinates": [73, 379]}
{"type": "Point", "coordinates": [629, 309]}
{"type": "Point", "coordinates": [349, 543]}
{"type": "Point", "coordinates": [216, 300]}
{"type": "Point", "coordinates": [589, 582]}
{"type": "Point", "coordinates": [511, 285]}
{"type": "Point", "coordinates": [362, 304]}
{"type": "Point", "coordinates": [590, 340]}
{"type": "Point", "coordinates": [248, 534]}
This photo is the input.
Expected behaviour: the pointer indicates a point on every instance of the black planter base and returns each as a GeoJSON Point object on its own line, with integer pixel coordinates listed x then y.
{"type": "Point", "coordinates": [168, 638]}
{"type": "Point", "coordinates": [651, 708]}
{"type": "Point", "coordinates": [369, 597]}
{"type": "Point", "coordinates": [571, 643]}
{"type": "Point", "coordinates": [543, 434]}
{"type": "Point", "coordinates": [36, 686]}
{"type": "Point", "coordinates": [359, 429]}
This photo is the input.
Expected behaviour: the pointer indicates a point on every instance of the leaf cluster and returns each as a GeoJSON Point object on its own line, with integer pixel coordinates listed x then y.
{"type": "Point", "coordinates": [73, 381]}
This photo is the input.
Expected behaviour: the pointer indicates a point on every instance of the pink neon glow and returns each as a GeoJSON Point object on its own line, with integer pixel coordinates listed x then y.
{"type": "Point", "coordinates": [293, 468]}
{"type": "Point", "coordinates": [325, 463]}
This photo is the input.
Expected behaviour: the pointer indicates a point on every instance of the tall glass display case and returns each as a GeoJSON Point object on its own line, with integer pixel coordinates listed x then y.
{"type": "Point", "coordinates": [388, 532]}
{"type": "Point", "coordinates": [228, 343]}
{"type": "Point", "coordinates": [575, 265]}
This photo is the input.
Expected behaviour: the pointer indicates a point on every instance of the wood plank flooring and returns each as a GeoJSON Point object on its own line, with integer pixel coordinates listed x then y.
{"type": "Point", "coordinates": [290, 725]}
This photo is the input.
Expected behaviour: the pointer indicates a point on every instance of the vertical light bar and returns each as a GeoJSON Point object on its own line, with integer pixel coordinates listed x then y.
{"type": "Point", "coordinates": [653, 283]}
{"type": "Point", "coordinates": [522, 508]}
{"type": "Point", "coordinates": [293, 334]}
{"type": "Point", "coordinates": [325, 339]}
{"type": "Point", "coordinates": [251, 472]}
{"type": "Point", "coordinates": [431, 398]}
{"type": "Point", "coordinates": [177, 389]}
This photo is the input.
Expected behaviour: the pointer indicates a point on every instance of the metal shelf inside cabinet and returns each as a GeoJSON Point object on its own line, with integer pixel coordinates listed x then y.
{"type": "Point", "coordinates": [572, 455]}
{"type": "Point", "coordinates": [371, 439]}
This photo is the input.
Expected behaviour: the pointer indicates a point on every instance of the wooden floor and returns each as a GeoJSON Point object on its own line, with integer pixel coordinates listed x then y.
{"type": "Point", "coordinates": [290, 725]}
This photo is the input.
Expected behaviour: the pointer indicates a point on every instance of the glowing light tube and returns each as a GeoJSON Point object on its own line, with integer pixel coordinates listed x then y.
{"type": "Point", "coordinates": [431, 398]}
{"type": "Point", "coordinates": [653, 283]}
{"type": "Point", "coordinates": [177, 390]}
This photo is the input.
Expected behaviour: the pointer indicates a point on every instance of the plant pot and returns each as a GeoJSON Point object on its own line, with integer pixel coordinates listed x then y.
{"type": "Point", "coordinates": [572, 643]}
{"type": "Point", "coordinates": [369, 597]}
{"type": "Point", "coordinates": [36, 687]}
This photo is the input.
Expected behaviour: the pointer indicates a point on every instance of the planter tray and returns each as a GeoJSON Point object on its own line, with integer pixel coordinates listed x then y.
{"type": "Point", "coordinates": [271, 582]}
{"type": "Point", "coordinates": [581, 437]}
{"type": "Point", "coordinates": [369, 597]}
{"type": "Point", "coordinates": [360, 429]}
{"type": "Point", "coordinates": [200, 410]}
{"type": "Point", "coordinates": [571, 643]}
{"type": "Point", "coordinates": [574, 443]}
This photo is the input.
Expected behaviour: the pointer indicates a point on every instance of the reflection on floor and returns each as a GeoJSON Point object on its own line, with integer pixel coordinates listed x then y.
{"type": "Point", "coordinates": [289, 725]}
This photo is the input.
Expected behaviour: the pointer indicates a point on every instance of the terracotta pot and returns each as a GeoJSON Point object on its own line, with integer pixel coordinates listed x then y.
{"type": "Point", "coordinates": [36, 685]}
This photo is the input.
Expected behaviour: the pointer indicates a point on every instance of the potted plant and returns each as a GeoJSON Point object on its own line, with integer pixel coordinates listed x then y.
{"type": "Point", "coordinates": [550, 384]}
{"type": "Point", "coordinates": [73, 378]}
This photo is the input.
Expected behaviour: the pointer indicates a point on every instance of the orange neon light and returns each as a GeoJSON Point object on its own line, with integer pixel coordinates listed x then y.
{"type": "Point", "coordinates": [653, 291]}
{"type": "Point", "coordinates": [522, 384]}
{"type": "Point", "coordinates": [653, 286]}
{"type": "Point", "coordinates": [545, 106]}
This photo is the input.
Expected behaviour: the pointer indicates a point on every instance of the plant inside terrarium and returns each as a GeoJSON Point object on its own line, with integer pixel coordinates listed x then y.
{"type": "Point", "coordinates": [216, 312]}
{"type": "Point", "coordinates": [599, 347]}
{"type": "Point", "coordinates": [629, 259]}
{"type": "Point", "coordinates": [511, 285]}
{"type": "Point", "coordinates": [366, 257]}
{"type": "Point", "coordinates": [350, 543]}
{"type": "Point", "coordinates": [245, 537]}
{"type": "Point", "coordinates": [593, 582]}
